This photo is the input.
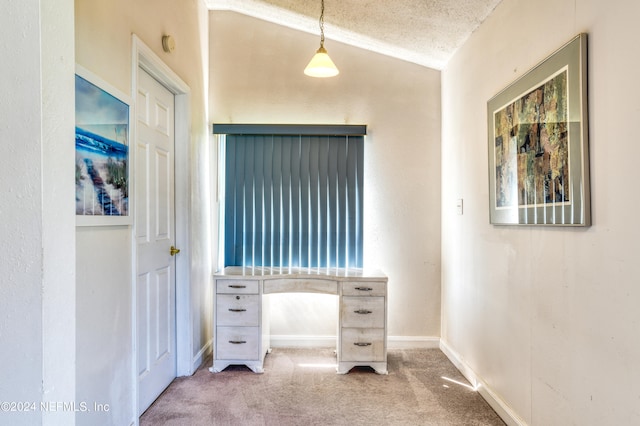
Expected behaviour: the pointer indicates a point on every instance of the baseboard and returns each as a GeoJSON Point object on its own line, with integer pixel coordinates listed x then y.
{"type": "Point", "coordinates": [499, 406]}
{"type": "Point", "coordinates": [204, 352]}
{"type": "Point", "coordinates": [413, 342]}
{"type": "Point", "coordinates": [300, 341]}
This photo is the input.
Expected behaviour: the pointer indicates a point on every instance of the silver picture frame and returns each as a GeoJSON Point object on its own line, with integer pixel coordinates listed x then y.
{"type": "Point", "coordinates": [538, 144]}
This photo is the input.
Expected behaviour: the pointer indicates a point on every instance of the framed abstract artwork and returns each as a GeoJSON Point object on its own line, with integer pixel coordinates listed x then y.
{"type": "Point", "coordinates": [538, 144]}
{"type": "Point", "coordinates": [102, 152]}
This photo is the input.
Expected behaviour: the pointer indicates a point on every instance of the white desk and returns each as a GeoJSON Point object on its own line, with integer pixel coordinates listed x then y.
{"type": "Point", "coordinates": [241, 317]}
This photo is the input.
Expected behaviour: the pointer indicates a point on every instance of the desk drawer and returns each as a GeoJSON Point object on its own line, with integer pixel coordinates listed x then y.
{"type": "Point", "coordinates": [241, 343]}
{"type": "Point", "coordinates": [366, 345]}
{"type": "Point", "coordinates": [238, 310]}
{"type": "Point", "coordinates": [366, 312]}
{"type": "Point", "coordinates": [237, 286]}
{"type": "Point", "coordinates": [364, 288]}
{"type": "Point", "coordinates": [306, 285]}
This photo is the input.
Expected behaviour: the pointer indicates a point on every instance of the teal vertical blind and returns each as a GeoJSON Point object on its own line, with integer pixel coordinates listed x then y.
{"type": "Point", "coordinates": [293, 200]}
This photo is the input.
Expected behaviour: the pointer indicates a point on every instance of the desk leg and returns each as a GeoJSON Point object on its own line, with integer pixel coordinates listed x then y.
{"type": "Point", "coordinates": [255, 366]}
{"type": "Point", "coordinates": [378, 367]}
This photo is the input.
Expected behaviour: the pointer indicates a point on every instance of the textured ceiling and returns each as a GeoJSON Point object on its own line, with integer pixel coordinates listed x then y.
{"type": "Point", "coordinates": [425, 32]}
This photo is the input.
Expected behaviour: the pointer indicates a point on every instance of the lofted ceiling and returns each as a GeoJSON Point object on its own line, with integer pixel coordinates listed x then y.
{"type": "Point", "coordinates": [425, 32]}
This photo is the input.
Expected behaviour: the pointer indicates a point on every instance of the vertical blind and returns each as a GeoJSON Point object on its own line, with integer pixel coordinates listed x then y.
{"type": "Point", "coordinates": [293, 200]}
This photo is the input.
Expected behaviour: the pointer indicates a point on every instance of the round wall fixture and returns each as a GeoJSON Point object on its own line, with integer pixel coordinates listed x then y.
{"type": "Point", "coordinates": [168, 43]}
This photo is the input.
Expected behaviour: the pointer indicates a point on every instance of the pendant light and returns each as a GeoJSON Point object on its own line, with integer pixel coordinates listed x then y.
{"type": "Point", "coordinates": [321, 64]}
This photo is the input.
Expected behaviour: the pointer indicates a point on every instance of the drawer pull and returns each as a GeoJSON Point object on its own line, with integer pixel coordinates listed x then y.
{"type": "Point", "coordinates": [363, 311]}
{"type": "Point", "coordinates": [364, 288]}
{"type": "Point", "coordinates": [237, 310]}
{"type": "Point", "coordinates": [362, 344]}
{"type": "Point", "coordinates": [237, 286]}
{"type": "Point", "coordinates": [237, 342]}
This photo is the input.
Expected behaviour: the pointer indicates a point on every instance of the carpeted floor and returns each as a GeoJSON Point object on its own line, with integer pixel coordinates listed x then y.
{"type": "Point", "coordinates": [300, 387]}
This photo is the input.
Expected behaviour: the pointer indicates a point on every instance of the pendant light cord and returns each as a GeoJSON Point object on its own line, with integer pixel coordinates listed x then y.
{"type": "Point", "coordinates": [322, 24]}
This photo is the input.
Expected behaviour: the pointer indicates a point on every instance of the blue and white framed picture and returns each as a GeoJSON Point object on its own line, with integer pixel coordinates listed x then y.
{"type": "Point", "coordinates": [103, 118]}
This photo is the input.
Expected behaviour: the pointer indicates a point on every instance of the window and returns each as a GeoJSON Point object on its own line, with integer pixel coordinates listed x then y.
{"type": "Point", "coordinates": [293, 195]}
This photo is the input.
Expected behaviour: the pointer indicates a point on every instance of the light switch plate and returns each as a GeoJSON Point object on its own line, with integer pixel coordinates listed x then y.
{"type": "Point", "coordinates": [459, 205]}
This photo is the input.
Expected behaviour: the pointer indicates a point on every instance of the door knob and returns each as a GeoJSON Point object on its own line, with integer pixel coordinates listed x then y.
{"type": "Point", "coordinates": [173, 251]}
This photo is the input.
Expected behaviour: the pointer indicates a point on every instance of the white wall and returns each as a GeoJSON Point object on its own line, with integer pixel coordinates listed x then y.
{"type": "Point", "coordinates": [256, 77]}
{"type": "Point", "coordinates": [37, 294]}
{"type": "Point", "coordinates": [103, 39]}
{"type": "Point", "coordinates": [546, 317]}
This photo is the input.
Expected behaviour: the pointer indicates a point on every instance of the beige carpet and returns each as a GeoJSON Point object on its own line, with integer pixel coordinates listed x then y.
{"type": "Point", "coordinates": [300, 387]}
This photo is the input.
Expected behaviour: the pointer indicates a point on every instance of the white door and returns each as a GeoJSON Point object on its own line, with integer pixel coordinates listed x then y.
{"type": "Point", "coordinates": [155, 237]}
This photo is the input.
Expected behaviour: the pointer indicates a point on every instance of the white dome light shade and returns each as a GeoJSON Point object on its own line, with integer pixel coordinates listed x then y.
{"type": "Point", "coordinates": [321, 65]}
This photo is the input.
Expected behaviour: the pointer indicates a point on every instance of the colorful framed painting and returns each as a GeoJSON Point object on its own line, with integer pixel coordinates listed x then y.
{"type": "Point", "coordinates": [103, 117]}
{"type": "Point", "coordinates": [538, 144]}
